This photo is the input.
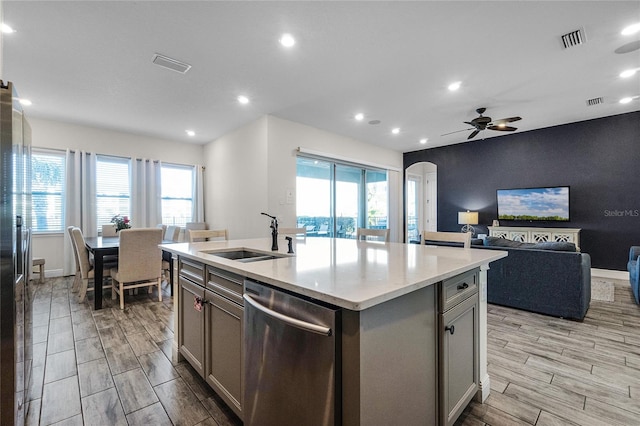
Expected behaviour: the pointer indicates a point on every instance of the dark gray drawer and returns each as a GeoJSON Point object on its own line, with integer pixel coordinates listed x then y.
{"type": "Point", "coordinates": [191, 270]}
{"type": "Point", "coordinates": [457, 289]}
{"type": "Point", "coordinates": [226, 284]}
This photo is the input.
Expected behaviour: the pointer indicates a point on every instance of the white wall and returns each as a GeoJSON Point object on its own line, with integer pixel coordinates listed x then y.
{"type": "Point", "coordinates": [235, 181]}
{"type": "Point", "coordinates": [262, 159]}
{"type": "Point", "coordinates": [59, 135]}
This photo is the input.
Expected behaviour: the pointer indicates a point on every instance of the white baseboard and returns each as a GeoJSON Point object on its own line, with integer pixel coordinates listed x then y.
{"type": "Point", "coordinates": [49, 273]}
{"type": "Point", "coordinates": [609, 273]}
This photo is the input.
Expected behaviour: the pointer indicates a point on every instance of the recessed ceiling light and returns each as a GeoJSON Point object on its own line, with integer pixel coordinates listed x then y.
{"type": "Point", "coordinates": [287, 40]}
{"type": "Point", "coordinates": [455, 86]}
{"type": "Point", "coordinates": [359, 116]}
{"type": "Point", "coordinates": [243, 99]}
{"type": "Point", "coordinates": [631, 29]}
{"type": "Point", "coordinates": [190, 132]}
{"type": "Point", "coordinates": [25, 102]}
{"type": "Point", "coordinates": [625, 100]}
{"type": "Point", "coordinates": [395, 131]}
{"type": "Point", "coordinates": [627, 73]}
{"type": "Point", "coordinates": [424, 140]}
{"type": "Point", "coordinates": [7, 29]}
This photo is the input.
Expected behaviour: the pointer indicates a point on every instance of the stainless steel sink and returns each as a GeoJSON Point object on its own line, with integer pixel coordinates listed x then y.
{"type": "Point", "coordinates": [244, 256]}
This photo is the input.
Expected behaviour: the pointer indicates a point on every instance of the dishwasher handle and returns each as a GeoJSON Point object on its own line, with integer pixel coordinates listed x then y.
{"type": "Point", "coordinates": [303, 325]}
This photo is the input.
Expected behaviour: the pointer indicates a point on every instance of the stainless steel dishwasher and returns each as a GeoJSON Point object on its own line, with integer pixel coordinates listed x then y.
{"type": "Point", "coordinates": [292, 361]}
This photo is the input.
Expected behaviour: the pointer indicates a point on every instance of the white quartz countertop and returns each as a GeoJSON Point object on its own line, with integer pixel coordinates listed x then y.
{"type": "Point", "coordinates": [351, 274]}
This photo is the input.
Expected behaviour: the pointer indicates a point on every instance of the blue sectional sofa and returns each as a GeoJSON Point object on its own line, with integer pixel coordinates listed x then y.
{"type": "Point", "coordinates": [546, 278]}
{"type": "Point", "coordinates": [634, 271]}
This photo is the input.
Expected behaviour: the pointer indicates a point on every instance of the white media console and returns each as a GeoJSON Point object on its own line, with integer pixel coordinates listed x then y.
{"type": "Point", "coordinates": [537, 235]}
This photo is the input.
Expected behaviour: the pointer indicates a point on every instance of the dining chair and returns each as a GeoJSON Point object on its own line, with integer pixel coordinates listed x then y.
{"type": "Point", "coordinates": [372, 234]}
{"type": "Point", "coordinates": [77, 277]}
{"type": "Point", "coordinates": [172, 233]}
{"type": "Point", "coordinates": [139, 262]}
{"type": "Point", "coordinates": [449, 237]}
{"type": "Point", "coordinates": [109, 230]}
{"type": "Point", "coordinates": [297, 232]}
{"type": "Point", "coordinates": [196, 236]}
{"type": "Point", "coordinates": [86, 267]}
{"type": "Point", "coordinates": [163, 227]}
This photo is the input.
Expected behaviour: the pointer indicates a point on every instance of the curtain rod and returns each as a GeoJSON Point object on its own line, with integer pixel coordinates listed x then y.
{"type": "Point", "coordinates": [347, 159]}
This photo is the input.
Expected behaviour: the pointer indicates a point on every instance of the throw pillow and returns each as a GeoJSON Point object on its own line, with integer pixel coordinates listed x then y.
{"type": "Point", "coordinates": [503, 242]}
{"type": "Point", "coordinates": [555, 246]}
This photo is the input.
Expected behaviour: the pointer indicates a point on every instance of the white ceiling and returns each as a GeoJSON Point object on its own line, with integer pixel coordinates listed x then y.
{"type": "Point", "coordinates": [89, 62]}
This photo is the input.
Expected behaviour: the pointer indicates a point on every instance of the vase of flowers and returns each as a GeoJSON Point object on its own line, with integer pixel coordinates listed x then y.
{"type": "Point", "coordinates": [122, 222]}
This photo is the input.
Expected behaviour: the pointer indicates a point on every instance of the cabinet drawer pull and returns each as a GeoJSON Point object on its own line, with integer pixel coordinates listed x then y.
{"type": "Point", "coordinates": [463, 287]}
{"type": "Point", "coordinates": [450, 329]}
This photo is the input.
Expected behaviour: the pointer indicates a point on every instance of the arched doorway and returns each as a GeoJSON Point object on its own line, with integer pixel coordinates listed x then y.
{"type": "Point", "coordinates": [421, 200]}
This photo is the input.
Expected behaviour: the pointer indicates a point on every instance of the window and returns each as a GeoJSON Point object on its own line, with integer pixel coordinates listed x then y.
{"type": "Point", "coordinates": [113, 188]}
{"type": "Point", "coordinates": [177, 194]}
{"type": "Point", "coordinates": [47, 184]}
{"type": "Point", "coordinates": [334, 199]}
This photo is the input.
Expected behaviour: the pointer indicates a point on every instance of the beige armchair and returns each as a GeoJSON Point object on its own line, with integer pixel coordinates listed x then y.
{"type": "Point", "coordinates": [196, 236]}
{"type": "Point", "coordinates": [459, 237]}
{"type": "Point", "coordinates": [139, 262]}
{"type": "Point", "coordinates": [373, 234]}
{"type": "Point", "coordinates": [85, 264]}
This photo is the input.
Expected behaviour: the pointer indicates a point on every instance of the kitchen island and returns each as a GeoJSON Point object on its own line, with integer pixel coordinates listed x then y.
{"type": "Point", "coordinates": [398, 356]}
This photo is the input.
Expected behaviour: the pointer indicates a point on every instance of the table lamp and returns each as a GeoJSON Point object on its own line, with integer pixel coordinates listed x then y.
{"type": "Point", "coordinates": [467, 219]}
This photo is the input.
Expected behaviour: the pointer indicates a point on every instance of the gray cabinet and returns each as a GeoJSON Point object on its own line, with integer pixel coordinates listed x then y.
{"type": "Point", "coordinates": [458, 352]}
{"type": "Point", "coordinates": [224, 336]}
{"type": "Point", "coordinates": [211, 324]}
{"type": "Point", "coordinates": [191, 314]}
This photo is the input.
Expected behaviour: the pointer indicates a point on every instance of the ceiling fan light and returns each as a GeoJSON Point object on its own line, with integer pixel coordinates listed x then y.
{"type": "Point", "coordinates": [628, 73]}
{"type": "Point", "coordinates": [631, 29]}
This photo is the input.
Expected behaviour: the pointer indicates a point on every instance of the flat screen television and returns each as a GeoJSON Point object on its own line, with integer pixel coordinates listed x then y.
{"type": "Point", "coordinates": [534, 204]}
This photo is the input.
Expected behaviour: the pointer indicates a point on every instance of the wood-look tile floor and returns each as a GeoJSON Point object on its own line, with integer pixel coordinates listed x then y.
{"type": "Point", "coordinates": [550, 371]}
{"type": "Point", "coordinates": [114, 367]}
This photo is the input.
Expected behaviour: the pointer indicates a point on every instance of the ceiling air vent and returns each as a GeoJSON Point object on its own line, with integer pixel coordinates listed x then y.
{"type": "Point", "coordinates": [595, 101]}
{"type": "Point", "coordinates": [172, 64]}
{"type": "Point", "coordinates": [574, 38]}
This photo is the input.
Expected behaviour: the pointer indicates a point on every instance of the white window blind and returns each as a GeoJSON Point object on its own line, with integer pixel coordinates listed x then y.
{"type": "Point", "coordinates": [177, 194]}
{"type": "Point", "coordinates": [47, 184]}
{"type": "Point", "coordinates": [113, 189]}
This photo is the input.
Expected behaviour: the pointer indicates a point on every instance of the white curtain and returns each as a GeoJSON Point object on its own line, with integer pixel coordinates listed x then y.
{"type": "Point", "coordinates": [146, 201]}
{"type": "Point", "coordinates": [79, 201]}
{"type": "Point", "coordinates": [197, 215]}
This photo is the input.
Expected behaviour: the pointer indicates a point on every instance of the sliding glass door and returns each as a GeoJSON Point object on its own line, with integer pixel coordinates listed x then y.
{"type": "Point", "coordinates": [334, 199]}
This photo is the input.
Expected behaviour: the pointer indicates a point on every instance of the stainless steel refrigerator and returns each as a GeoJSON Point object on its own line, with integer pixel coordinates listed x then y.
{"type": "Point", "coordinates": [15, 292]}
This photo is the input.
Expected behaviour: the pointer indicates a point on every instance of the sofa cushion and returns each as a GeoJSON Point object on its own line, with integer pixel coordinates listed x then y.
{"type": "Point", "coordinates": [547, 245]}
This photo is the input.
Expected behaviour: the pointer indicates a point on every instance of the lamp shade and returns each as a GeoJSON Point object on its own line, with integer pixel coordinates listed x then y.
{"type": "Point", "coordinates": [468, 218]}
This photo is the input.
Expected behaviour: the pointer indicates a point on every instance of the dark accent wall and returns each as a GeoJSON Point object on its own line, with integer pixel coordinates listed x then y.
{"type": "Point", "coordinates": [599, 159]}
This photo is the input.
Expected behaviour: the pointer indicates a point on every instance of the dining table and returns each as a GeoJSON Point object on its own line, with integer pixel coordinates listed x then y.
{"type": "Point", "coordinates": [108, 246]}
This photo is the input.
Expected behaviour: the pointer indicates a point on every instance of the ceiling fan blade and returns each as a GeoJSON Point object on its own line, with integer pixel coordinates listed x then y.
{"type": "Point", "coordinates": [457, 131]}
{"type": "Point", "coordinates": [507, 120]}
{"type": "Point", "coordinates": [503, 128]}
{"type": "Point", "coordinates": [473, 134]}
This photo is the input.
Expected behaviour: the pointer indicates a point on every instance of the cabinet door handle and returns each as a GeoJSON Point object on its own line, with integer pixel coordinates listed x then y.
{"type": "Point", "coordinates": [451, 329]}
{"type": "Point", "coordinates": [463, 286]}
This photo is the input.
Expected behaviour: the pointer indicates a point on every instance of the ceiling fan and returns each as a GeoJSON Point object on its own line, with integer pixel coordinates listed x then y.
{"type": "Point", "coordinates": [481, 123]}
